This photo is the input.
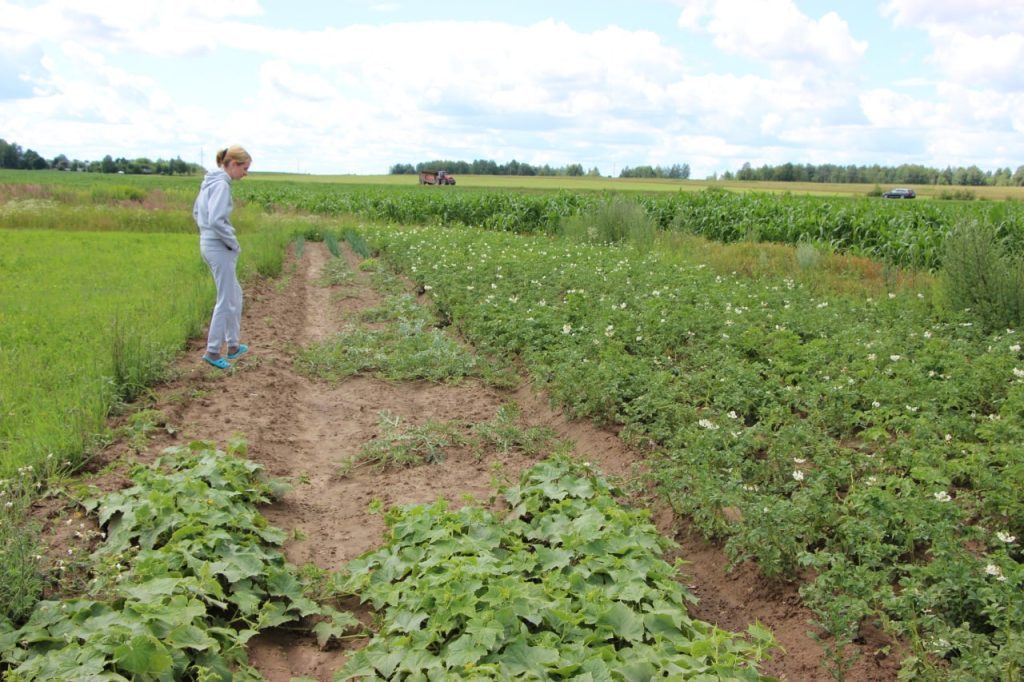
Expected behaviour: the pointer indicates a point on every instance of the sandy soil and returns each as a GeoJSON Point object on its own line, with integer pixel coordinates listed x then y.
{"type": "Point", "coordinates": [303, 429]}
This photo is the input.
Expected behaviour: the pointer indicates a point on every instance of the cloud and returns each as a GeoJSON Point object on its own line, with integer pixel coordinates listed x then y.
{"type": "Point", "coordinates": [163, 27]}
{"type": "Point", "coordinates": [975, 44]}
{"type": "Point", "coordinates": [977, 17]}
{"type": "Point", "coordinates": [773, 30]}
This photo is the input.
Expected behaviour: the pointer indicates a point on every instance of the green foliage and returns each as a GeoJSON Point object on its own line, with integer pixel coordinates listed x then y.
{"type": "Point", "coordinates": [567, 584]}
{"type": "Point", "coordinates": [358, 244]}
{"type": "Point", "coordinates": [403, 351]}
{"type": "Point", "coordinates": [982, 275]}
{"type": "Point", "coordinates": [397, 307]}
{"type": "Point", "coordinates": [331, 240]}
{"type": "Point", "coordinates": [401, 445]}
{"type": "Point", "coordinates": [193, 574]}
{"type": "Point", "coordinates": [335, 272]}
{"type": "Point", "coordinates": [503, 434]}
{"type": "Point", "coordinates": [405, 445]}
{"type": "Point", "coordinates": [21, 581]}
{"type": "Point", "coordinates": [808, 257]}
{"type": "Point", "coordinates": [83, 330]}
{"type": "Point", "coordinates": [615, 222]}
{"type": "Point", "coordinates": [907, 233]}
{"type": "Point", "coordinates": [865, 439]}
{"type": "Point", "coordinates": [117, 193]}
{"type": "Point", "coordinates": [957, 195]}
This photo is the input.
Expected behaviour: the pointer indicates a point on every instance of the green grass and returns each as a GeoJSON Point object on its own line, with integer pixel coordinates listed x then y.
{"type": "Point", "coordinates": [87, 320]}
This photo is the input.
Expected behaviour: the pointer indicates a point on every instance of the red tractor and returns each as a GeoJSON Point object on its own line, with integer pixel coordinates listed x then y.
{"type": "Point", "coordinates": [436, 178]}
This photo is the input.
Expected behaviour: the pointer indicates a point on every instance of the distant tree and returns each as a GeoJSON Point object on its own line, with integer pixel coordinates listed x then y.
{"type": "Point", "coordinates": [31, 160]}
{"type": "Point", "coordinates": [574, 170]}
{"type": "Point", "coordinates": [594, 172]}
{"type": "Point", "coordinates": [402, 169]}
{"type": "Point", "coordinates": [10, 155]}
{"type": "Point", "coordinates": [1018, 176]}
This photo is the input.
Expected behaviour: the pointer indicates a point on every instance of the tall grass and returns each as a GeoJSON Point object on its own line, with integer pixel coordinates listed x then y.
{"type": "Point", "coordinates": [982, 275]}
{"type": "Point", "coordinates": [614, 222]}
{"type": "Point", "coordinates": [88, 318]}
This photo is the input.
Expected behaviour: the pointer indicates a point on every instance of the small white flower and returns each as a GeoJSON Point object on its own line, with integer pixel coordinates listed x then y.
{"type": "Point", "coordinates": [1015, 348]}
{"type": "Point", "coordinates": [609, 331]}
{"type": "Point", "coordinates": [892, 295]}
{"type": "Point", "coordinates": [875, 403]}
{"type": "Point", "coordinates": [566, 328]}
{"type": "Point", "coordinates": [995, 571]}
{"type": "Point", "coordinates": [942, 496]}
{"type": "Point", "coordinates": [427, 287]}
{"type": "Point", "coordinates": [927, 334]}
{"type": "Point", "coordinates": [707, 424]}
{"type": "Point", "coordinates": [799, 460]}
{"type": "Point", "coordinates": [732, 414]}
{"type": "Point", "coordinates": [1019, 373]}
{"type": "Point", "coordinates": [895, 358]}
{"type": "Point", "coordinates": [798, 475]}
{"type": "Point", "coordinates": [872, 356]}
{"type": "Point", "coordinates": [1005, 537]}
{"type": "Point", "coordinates": [948, 437]}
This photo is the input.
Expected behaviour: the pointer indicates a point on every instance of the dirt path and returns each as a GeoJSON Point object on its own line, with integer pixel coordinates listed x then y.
{"type": "Point", "coordinates": [303, 429]}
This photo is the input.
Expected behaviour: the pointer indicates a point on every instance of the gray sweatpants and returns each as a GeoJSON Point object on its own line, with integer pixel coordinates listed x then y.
{"type": "Point", "coordinates": [226, 323]}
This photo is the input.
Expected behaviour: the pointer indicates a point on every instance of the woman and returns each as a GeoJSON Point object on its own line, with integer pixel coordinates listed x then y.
{"type": "Point", "coordinates": [219, 248]}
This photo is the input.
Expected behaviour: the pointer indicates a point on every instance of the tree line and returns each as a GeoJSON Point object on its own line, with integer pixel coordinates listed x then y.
{"type": "Point", "coordinates": [13, 156]}
{"type": "Point", "coordinates": [513, 167]}
{"type": "Point", "coordinates": [905, 174]}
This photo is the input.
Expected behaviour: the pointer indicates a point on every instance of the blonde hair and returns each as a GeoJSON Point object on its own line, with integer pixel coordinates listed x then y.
{"type": "Point", "coordinates": [234, 153]}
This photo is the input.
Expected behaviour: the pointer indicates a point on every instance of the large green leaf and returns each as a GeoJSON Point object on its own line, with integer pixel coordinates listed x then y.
{"type": "Point", "coordinates": [519, 658]}
{"type": "Point", "coordinates": [144, 656]}
{"type": "Point", "coordinates": [623, 622]}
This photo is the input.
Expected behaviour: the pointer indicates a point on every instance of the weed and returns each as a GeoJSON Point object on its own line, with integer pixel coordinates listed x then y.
{"type": "Point", "coordinates": [502, 434]}
{"type": "Point", "coordinates": [335, 272]}
{"type": "Point", "coordinates": [982, 275]}
{"type": "Point", "coordinates": [403, 445]}
{"type": "Point", "coordinates": [808, 258]}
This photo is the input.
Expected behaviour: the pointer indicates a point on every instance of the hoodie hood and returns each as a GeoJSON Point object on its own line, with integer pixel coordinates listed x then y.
{"type": "Point", "coordinates": [215, 176]}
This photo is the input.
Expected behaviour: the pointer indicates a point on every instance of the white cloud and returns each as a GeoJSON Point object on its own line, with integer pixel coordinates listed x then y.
{"type": "Point", "coordinates": [977, 43]}
{"type": "Point", "coordinates": [977, 17]}
{"type": "Point", "coordinates": [773, 30]}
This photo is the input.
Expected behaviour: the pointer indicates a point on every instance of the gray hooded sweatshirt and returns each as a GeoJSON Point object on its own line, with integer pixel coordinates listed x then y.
{"type": "Point", "coordinates": [212, 211]}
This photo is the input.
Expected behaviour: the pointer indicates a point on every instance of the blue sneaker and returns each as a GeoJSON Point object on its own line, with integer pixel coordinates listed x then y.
{"type": "Point", "coordinates": [219, 363]}
{"type": "Point", "coordinates": [242, 348]}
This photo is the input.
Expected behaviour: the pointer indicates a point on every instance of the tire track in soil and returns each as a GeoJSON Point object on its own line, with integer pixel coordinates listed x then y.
{"type": "Point", "coordinates": [302, 429]}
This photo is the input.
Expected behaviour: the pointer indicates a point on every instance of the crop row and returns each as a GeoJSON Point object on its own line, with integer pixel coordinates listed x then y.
{"type": "Point", "coordinates": [904, 233]}
{"type": "Point", "coordinates": [875, 442]}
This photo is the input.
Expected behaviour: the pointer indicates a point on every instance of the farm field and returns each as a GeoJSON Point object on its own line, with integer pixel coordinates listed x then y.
{"type": "Point", "coordinates": [828, 429]}
{"type": "Point", "coordinates": [609, 184]}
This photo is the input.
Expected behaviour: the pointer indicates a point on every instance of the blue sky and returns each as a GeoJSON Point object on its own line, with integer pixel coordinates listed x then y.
{"type": "Point", "coordinates": [354, 87]}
